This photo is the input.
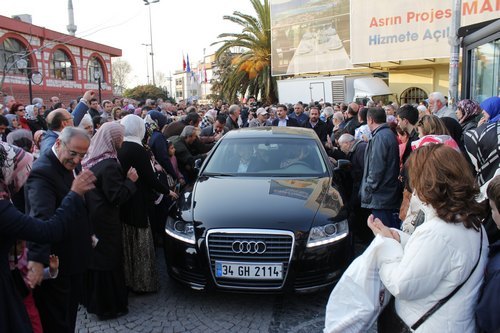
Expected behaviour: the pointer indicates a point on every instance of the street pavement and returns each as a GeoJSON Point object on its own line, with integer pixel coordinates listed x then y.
{"type": "Point", "coordinates": [176, 308]}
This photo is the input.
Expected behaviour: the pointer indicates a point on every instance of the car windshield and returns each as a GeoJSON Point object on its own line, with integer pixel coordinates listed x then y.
{"type": "Point", "coordinates": [280, 157]}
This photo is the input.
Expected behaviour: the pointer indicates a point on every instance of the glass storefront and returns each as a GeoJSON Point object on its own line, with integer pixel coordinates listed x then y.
{"type": "Point", "coordinates": [481, 61]}
{"type": "Point", "coordinates": [485, 71]}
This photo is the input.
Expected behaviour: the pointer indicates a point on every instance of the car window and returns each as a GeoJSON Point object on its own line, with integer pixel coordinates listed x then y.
{"type": "Point", "coordinates": [267, 157]}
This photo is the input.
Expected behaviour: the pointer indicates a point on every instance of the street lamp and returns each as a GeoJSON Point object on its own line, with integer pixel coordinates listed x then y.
{"type": "Point", "coordinates": [33, 76]}
{"type": "Point", "coordinates": [147, 3]}
{"type": "Point", "coordinates": [97, 77]}
{"type": "Point", "coordinates": [147, 63]}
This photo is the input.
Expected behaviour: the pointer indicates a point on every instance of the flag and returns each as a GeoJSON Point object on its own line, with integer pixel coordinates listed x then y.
{"type": "Point", "coordinates": [205, 73]}
{"type": "Point", "coordinates": [183, 62]}
{"type": "Point", "coordinates": [188, 68]}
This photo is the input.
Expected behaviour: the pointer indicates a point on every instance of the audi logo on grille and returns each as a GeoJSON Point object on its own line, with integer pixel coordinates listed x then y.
{"type": "Point", "coordinates": [249, 247]}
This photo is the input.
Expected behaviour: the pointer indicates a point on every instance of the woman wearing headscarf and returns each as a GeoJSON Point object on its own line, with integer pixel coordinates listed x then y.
{"type": "Point", "coordinates": [491, 110]}
{"type": "Point", "coordinates": [19, 110]}
{"type": "Point", "coordinates": [106, 293]}
{"type": "Point", "coordinates": [13, 123]}
{"type": "Point", "coordinates": [35, 122]}
{"type": "Point", "coordinates": [157, 143]}
{"type": "Point", "coordinates": [87, 124]}
{"type": "Point", "coordinates": [15, 165]}
{"type": "Point", "coordinates": [138, 246]}
{"type": "Point", "coordinates": [483, 147]}
{"type": "Point", "coordinates": [467, 114]}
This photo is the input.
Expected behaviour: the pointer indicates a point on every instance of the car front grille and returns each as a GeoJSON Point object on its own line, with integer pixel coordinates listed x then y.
{"type": "Point", "coordinates": [279, 247]}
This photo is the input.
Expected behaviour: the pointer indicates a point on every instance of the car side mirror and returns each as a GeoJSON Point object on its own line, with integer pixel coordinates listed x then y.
{"type": "Point", "coordinates": [343, 165]}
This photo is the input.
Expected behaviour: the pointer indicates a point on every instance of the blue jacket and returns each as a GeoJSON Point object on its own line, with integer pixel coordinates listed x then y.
{"type": "Point", "coordinates": [50, 137]}
{"type": "Point", "coordinates": [487, 309]}
{"type": "Point", "coordinates": [380, 187]}
{"type": "Point", "coordinates": [48, 140]}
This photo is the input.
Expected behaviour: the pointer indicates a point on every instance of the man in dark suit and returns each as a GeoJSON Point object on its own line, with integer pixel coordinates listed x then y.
{"type": "Point", "coordinates": [283, 119]}
{"type": "Point", "coordinates": [214, 132]}
{"type": "Point", "coordinates": [317, 124]}
{"type": "Point", "coordinates": [48, 183]}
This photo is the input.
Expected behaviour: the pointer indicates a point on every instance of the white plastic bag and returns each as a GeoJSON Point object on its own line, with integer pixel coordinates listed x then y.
{"type": "Point", "coordinates": [358, 297]}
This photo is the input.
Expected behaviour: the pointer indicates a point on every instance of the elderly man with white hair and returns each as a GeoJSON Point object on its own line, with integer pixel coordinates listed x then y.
{"type": "Point", "coordinates": [438, 107]}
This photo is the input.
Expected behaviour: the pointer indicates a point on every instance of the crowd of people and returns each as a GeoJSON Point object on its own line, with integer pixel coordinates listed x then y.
{"type": "Point", "coordinates": [129, 160]}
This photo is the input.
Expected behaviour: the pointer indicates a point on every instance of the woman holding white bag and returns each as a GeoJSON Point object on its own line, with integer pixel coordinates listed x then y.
{"type": "Point", "coordinates": [440, 266]}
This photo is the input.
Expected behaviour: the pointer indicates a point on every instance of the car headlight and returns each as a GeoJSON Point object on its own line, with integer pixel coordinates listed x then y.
{"type": "Point", "coordinates": [181, 230]}
{"type": "Point", "coordinates": [328, 233]}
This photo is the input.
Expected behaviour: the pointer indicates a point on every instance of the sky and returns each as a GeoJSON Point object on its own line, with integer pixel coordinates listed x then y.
{"type": "Point", "coordinates": [179, 26]}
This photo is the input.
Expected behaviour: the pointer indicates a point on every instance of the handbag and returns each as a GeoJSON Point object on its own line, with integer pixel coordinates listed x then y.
{"type": "Point", "coordinates": [390, 322]}
{"type": "Point", "coordinates": [17, 277]}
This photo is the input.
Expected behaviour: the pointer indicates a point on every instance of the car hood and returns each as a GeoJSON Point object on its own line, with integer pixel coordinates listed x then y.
{"type": "Point", "coordinates": [266, 203]}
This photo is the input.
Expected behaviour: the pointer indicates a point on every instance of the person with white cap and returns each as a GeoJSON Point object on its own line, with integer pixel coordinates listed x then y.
{"type": "Point", "coordinates": [262, 119]}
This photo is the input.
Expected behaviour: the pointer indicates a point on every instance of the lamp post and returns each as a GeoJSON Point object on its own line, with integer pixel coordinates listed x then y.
{"type": "Point", "coordinates": [147, 63]}
{"type": "Point", "coordinates": [97, 77]}
{"type": "Point", "coordinates": [147, 3]}
{"type": "Point", "coordinates": [33, 76]}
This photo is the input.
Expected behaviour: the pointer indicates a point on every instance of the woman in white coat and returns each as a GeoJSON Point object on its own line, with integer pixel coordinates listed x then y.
{"type": "Point", "coordinates": [448, 249]}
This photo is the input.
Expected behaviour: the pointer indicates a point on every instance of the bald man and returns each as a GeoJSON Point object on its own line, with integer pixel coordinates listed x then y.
{"type": "Point", "coordinates": [57, 120]}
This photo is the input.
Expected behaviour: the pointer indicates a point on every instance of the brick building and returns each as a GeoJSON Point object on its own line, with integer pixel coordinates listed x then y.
{"type": "Point", "coordinates": [68, 65]}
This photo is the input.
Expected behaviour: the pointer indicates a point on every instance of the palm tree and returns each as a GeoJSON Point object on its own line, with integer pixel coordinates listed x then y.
{"type": "Point", "coordinates": [250, 69]}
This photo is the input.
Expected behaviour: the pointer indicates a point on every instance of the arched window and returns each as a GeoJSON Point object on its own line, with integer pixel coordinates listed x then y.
{"type": "Point", "coordinates": [95, 69]}
{"type": "Point", "coordinates": [61, 67]}
{"type": "Point", "coordinates": [12, 50]}
{"type": "Point", "coordinates": [413, 95]}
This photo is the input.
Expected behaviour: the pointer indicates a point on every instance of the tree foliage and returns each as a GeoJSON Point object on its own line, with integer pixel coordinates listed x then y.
{"type": "Point", "coordinates": [249, 71]}
{"type": "Point", "coordinates": [144, 92]}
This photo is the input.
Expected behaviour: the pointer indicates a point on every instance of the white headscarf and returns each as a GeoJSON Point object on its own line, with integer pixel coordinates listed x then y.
{"type": "Point", "coordinates": [134, 128]}
{"type": "Point", "coordinates": [30, 112]}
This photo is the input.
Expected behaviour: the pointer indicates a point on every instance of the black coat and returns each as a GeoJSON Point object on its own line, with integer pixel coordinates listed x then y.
{"type": "Point", "coordinates": [351, 124]}
{"type": "Point", "coordinates": [134, 212]}
{"type": "Point", "coordinates": [320, 128]}
{"type": "Point", "coordinates": [15, 225]}
{"type": "Point", "coordinates": [112, 190]}
{"type": "Point", "coordinates": [290, 122]}
{"type": "Point", "coordinates": [47, 185]}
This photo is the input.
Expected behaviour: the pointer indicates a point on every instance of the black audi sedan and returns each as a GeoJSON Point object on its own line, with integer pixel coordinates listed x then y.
{"type": "Point", "coordinates": [265, 214]}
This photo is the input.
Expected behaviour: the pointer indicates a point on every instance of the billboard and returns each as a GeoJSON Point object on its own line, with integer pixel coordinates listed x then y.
{"type": "Point", "coordinates": [314, 36]}
{"type": "Point", "coordinates": [408, 29]}
{"type": "Point", "coordinates": [309, 36]}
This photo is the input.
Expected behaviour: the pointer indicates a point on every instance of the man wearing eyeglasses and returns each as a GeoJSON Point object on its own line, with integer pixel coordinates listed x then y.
{"type": "Point", "coordinates": [49, 181]}
{"type": "Point", "coordinates": [57, 120]}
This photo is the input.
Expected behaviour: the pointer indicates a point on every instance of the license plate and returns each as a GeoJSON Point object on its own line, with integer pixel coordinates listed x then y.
{"type": "Point", "coordinates": [224, 269]}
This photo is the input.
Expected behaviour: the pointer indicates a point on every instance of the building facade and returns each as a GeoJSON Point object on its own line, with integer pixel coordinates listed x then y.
{"type": "Point", "coordinates": [58, 64]}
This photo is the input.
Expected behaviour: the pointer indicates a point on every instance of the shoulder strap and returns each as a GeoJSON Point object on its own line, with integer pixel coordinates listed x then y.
{"type": "Point", "coordinates": [444, 300]}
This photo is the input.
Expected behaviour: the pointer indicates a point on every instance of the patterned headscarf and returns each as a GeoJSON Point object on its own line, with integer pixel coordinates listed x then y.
{"type": "Point", "coordinates": [470, 109]}
{"type": "Point", "coordinates": [492, 107]}
{"type": "Point", "coordinates": [15, 166]}
{"type": "Point", "coordinates": [104, 144]}
{"type": "Point", "coordinates": [30, 112]}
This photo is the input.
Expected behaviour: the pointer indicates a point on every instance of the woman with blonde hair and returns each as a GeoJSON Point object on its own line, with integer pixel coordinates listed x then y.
{"type": "Point", "coordinates": [431, 124]}
{"type": "Point", "coordinates": [436, 273]}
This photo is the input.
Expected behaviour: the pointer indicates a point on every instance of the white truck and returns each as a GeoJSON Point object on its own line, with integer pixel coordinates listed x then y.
{"type": "Point", "coordinates": [334, 89]}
